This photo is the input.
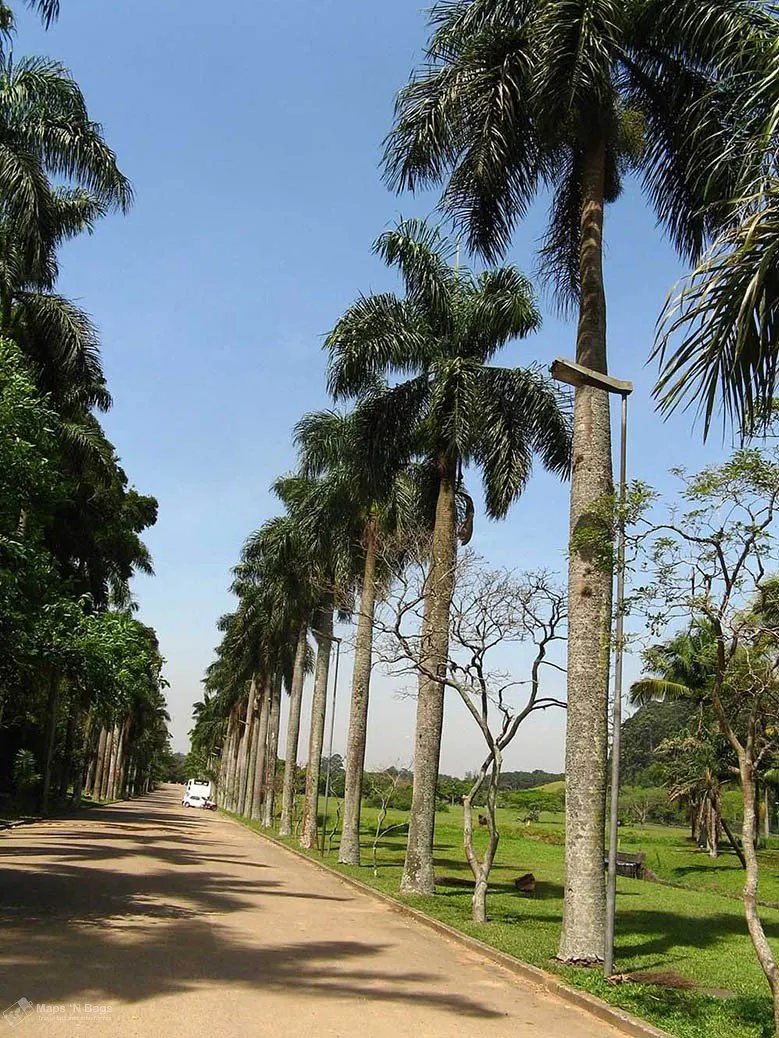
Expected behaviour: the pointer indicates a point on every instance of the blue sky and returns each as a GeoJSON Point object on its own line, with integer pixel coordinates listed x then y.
{"type": "Point", "coordinates": [252, 133]}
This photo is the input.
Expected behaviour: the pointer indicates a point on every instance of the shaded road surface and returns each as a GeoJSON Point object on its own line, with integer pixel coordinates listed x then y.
{"type": "Point", "coordinates": [148, 919]}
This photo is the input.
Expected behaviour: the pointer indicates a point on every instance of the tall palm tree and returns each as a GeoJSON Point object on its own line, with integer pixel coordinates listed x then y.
{"type": "Point", "coordinates": [571, 95]}
{"type": "Point", "coordinates": [453, 409]}
{"type": "Point", "coordinates": [331, 443]}
{"type": "Point", "coordinates": [277, 551]}
{"type": "Point", "coordinates": [323, 510]}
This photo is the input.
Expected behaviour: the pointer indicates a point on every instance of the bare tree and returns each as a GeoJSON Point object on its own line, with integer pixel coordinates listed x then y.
{"type": "Point", "coordinates": [492, 610]}
{"type": "Point", "coordinates": [383, 788]}
{"type": "Point", "coordinates": [715, 561]}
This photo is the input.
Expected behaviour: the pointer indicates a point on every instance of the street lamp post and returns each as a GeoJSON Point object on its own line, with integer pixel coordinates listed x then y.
{"type": "Point", "coordinates": [578, 375]}
{"type": "Point", "coordinates": [331, 638]}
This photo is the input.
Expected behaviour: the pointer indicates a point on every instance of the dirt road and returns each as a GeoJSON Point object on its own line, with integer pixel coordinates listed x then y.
{"type": "Point", "coordinates": [149, 919]}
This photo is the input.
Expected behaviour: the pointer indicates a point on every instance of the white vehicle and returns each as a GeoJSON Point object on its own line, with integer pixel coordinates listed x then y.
{"type": "Point", "coordinates": [194, 800]}
{"type": "Point", "coordinates": [200, 787]}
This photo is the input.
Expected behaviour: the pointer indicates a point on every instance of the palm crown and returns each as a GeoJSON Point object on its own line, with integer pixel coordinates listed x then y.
{"type": "Point", "coordinates": [454, 408]}
{"type": "Point", "coordinates": [47, 138]}
{"type": "Point", "coordinates": [516, 92]}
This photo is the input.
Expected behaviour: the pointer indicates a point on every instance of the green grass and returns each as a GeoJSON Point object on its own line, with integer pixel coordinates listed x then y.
{"type": "Point", "coordinates": [697, 932]}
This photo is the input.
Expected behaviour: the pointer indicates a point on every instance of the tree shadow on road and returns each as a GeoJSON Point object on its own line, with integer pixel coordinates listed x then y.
{"type": "Point", "coordinates": [137, 910]}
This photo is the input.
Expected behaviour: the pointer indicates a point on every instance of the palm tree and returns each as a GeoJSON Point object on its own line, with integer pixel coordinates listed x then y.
{"type": "Point", "coordinates": [277, 551]}
{"type": "Point", "coordinates": [323, 511]}
{"type": "Point", "coordinates": [452, 409]}
{"type": "Point", "coordinates": [570, 95]}
{"type": "Point", "coordinates": [46, 136]}
{"type": "Point", "coordinates": [332, 444]}
{"type": "Point", "coordinates": [681, 668]}
{"type": "Point", "coordinates": [269, 634]}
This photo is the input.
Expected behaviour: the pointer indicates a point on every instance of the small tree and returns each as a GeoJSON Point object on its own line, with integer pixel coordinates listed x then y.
{"type": "Point", "coordinates": [715, 560]}
{"type": "Point", "coordinates": [382, 789]}
{"type": "Point", "coordinates": [492, 610]}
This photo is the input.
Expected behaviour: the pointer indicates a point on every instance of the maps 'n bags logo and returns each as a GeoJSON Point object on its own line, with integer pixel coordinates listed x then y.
{"type": "Point", "coordinates": [18, 1011]}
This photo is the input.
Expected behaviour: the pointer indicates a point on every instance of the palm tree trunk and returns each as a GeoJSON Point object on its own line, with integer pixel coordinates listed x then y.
{"type": "Point", "coordinates": [224, 764]}
{"type": "Point", "coordinates": [262, 745]}
{"type": "Point", "coordinates": [590, 582]}
{"type": "Point", "coordinates": [324, 623]}
{"type": "Point", "coordinates": [418, 874]}
{"type": "Point", "coordinates": [243, 754]}
{"type": "Point", "coordinates": [84, 768]}
{"type": "Point", "coordinates": [115, 762]}
{"type": "Point", "coordinates": [121, 757]}
{"type": "Point", "coordinates": [107, 754]}
{"type": "Point", "coordinates": [293, 733]}
{"type": "Point", "coordinates": [66, 768]}
{"type": "Point", "coordinates": [272, 754]}
{"type": "Point", "coordinates": [252, 762]}
{"type": "Point", "coordinates": [349, 852]}
{"type": "Point", "coordinates": [232, 734]}
{"type": "Point", "coordinates": [97, 781]}
{"type": "Point", "coordinates": [49, 737]}
{"type": "Point", "coordinates": [110, 783]}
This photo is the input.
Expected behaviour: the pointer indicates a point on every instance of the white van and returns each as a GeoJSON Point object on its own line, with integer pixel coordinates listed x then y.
{"type": "Point", "coordinates": [198, 788]}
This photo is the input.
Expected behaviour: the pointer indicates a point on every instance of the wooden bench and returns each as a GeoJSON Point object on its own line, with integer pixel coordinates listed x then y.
{"type": "Point", "coordinates": [629, 864]}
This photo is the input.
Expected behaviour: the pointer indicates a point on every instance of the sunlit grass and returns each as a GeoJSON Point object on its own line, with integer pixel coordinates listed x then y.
{"type": "Point", "coordinates": [697, 932]}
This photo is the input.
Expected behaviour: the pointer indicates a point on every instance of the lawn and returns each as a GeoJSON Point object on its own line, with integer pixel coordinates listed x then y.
{"type": "Point", "coordinates": [694, 929]}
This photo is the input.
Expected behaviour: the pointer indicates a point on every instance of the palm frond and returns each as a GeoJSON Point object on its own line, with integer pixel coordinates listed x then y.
{"type": "Point", "coordinates": [45, 111]}
{"type": "Point", "coordinates": [651, 690]}
{"type": "Point", "coordinates": [503, 307]}
{"type": "Point", "coordinates": [580, 42]}
{"type": "Point", "coordinates": [49, 10]}
{"type": "Point", "coordinates": [522, 413]}
{"type": "Point", "coordinates": [379, 334]}
{"type": "Point", "coordinates": [422, 256]}
{"type": "Point", "coordinates": [63, 343]}
{"type": "Point", "coordinates": [560, 252]}
{"type": "Point", "coordinates": [726, 319]}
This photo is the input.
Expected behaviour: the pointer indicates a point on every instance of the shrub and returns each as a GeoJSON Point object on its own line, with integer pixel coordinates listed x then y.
{"type": "Point", "coordinates": [25, 777]}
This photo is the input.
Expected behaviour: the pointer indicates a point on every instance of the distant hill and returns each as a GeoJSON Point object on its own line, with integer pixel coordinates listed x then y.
{"type": "Point", "coordinates": [537, 779]}
{"type": "Point", "coordinates": [558, 786]}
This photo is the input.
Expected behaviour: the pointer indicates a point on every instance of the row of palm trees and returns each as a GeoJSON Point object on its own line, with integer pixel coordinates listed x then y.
{"type": "Point", "coordinates": [517, 97]}
{"type": "Point", "coordinates": [80, 681]}
{"type": "Point", "coordinates": [429, 407]}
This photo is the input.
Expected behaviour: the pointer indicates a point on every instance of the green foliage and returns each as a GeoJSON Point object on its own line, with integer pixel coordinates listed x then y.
{"type": "Point", "coordinates": [643, 733]}
{"type": "Point", "coordinates": [337, 775]}
{"type": "Point", "coordinates": [643, 804]}
{"type": "Point", "coordinates": [25, 775]}
{"type": "Point", "coordinates": [70, 524]}
{"type": "Point", "coordinates": [528, 779]}
{"type": "Point", "coordinates": [376, 786]}
{"type": "Point", "coordinates": [530, 803]}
